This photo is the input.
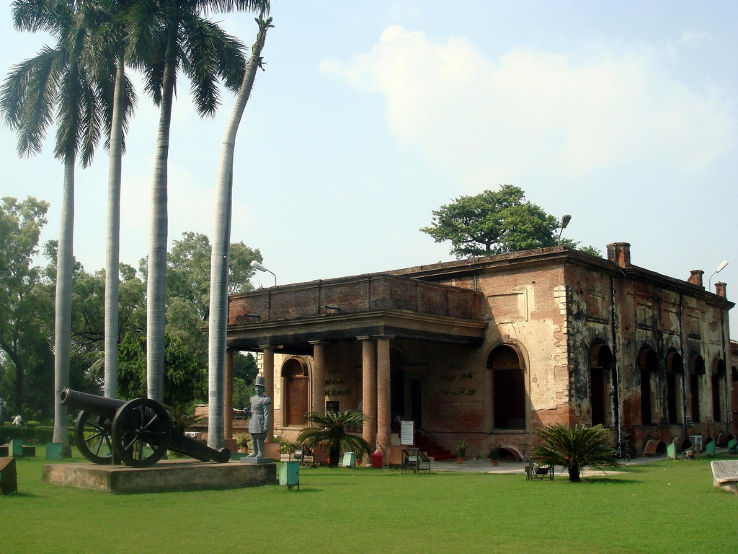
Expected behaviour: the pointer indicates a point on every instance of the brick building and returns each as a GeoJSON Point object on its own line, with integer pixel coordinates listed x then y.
{"type": "Point", "coordinates": [489, 349]}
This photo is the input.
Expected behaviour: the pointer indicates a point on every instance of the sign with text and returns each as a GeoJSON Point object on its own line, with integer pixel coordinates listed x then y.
{"type": "Point", "coordinates": [407, 433]}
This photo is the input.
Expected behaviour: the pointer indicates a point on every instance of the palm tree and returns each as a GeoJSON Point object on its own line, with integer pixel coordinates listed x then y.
{"type": "Point", "coordinates": [167, 35]}
{"type": "Point", "coordinates": [331, 431]}
{"type": "Point", "coordinates": [56, 80]}
{"type": "Point", "coordinates": [574, 447]}
{"type": "Point", "coordinates": [108, 54]}
{"type": "Point", "coordinates": [218, 319]}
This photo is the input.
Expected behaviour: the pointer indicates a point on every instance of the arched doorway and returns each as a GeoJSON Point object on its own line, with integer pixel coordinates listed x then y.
{"type": "Point", "coordinates": [648, 363]}
{"type": "Point", "coordinates": [674, 372]}
{"type": "Point", "coordinates": [717, 380]}
{"type": "Point", "coordinates": [508, 387]}
{"type": "Point", "coordinates": [696, 371]}
{"type": "Point", "coordinates": [296, 391]}
{"type": "Point", "coordinates": [600, 383]}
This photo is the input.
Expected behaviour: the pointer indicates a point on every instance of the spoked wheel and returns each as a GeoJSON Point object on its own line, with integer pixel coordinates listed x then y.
{"type": "Point", "coordinates": [92, 436]}
{"type": "Point", "coordinates": [141, 431]}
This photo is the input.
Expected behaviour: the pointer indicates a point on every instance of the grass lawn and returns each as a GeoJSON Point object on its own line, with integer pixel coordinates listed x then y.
{"type": "Point", "coordinates": [659, 507]}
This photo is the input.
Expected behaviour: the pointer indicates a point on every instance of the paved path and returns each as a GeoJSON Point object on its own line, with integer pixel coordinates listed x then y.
{"type": "Point", "coordinates": [485, 466]}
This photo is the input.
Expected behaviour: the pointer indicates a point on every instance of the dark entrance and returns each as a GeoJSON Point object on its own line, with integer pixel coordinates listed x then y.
{"type": "Point", "coordinates": [397, 387]}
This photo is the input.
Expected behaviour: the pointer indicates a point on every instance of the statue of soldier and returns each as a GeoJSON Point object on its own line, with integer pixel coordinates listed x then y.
{"type": "Point", "coordinates": [259, 418]}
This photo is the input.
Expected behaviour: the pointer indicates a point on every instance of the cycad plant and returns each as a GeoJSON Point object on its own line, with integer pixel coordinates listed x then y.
{"type": "Point", "coordinates": [330, 432]}
{"type": "Point", "coordinates": [574, 447]}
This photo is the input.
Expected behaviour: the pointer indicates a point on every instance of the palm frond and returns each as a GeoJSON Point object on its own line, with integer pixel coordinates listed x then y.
{"type": "Point", "coordinates": [28, 96]}
{"type": "Point", "coordinates": [200, 62]}
{"type": "Point", "coordinates": [261, 6]}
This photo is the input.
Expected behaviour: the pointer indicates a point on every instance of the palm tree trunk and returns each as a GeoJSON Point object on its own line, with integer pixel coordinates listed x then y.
{"type": "Point", "coordinates": [63, 318]}
{"type": "Point", "coordinates": [112, 248]}
{"type": "Point", "coordinates": [157, 273]}
{"type": "Point", "coordinates": [218, 319]}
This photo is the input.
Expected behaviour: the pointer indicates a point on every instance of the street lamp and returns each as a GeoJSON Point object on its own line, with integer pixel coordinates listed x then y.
{"type": "Point", "coordinates": [257, 265]}
{"type": "Point", "coordinates": [718, 270]}
{"type": "Point", "coordinates": [565, 219]}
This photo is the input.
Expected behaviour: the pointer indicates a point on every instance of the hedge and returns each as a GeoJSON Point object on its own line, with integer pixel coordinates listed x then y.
{"type": "Point", "coordinates": [38, 434]}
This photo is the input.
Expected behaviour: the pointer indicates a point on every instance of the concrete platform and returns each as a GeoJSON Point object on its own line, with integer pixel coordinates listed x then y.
{"type": "Point", "coordinates": [167, 475]}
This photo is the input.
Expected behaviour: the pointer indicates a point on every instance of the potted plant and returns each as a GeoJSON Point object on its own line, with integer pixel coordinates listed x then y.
{"type": "Point", "coordinates": [494, 455]}
{"type": "Point", "coordinates": [242, 441]}
{"type": "Point", "coordinates": [460, 451]}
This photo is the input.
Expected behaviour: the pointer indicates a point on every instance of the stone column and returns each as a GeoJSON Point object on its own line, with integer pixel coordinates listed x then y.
{"type": "Point", "coordinates": [228, 399]}
{"type": "Point", "coordinates": [268, 368]}
{"type": "Point", "coordinates": [384, 397]}
{"type": "Point", "coordinates": [369, 390]}
{"type": "Point", "coordinates": [318, 382]}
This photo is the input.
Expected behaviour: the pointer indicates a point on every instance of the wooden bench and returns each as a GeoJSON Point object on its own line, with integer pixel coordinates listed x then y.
{"type": "Point", "coordinates": [415, 460]}
{"type": "Point", "coordinates": [540, 472]}
{"type": "Point", "coordinates": [725, 474]}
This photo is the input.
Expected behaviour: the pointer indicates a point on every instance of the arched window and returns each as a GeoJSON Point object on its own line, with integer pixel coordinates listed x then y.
{"type": "Point", "coordinates": [600, 383]}
{"type": "Point", "coordinates": [696, 371]}
{"type": "Point", "coordinates": [674, 371]}
{"type": "Point", "coordinates": [508, 385]}
{"type": "Point", "coordinates": [648, 363]}
{"type": "Point", "coordinates": [296, 388]}
{"type": "Point", "coordinates": [717, 379]}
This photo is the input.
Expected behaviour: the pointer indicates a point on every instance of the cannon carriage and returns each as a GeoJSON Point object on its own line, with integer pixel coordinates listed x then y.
{"type": "Point", "coordinates": [135, 432]}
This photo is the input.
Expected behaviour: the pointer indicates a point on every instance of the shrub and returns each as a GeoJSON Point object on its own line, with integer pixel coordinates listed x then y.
{"type": "Point", "coordinates": [331, 431]}
{"type": "Point", "coordinates": [574, 447]}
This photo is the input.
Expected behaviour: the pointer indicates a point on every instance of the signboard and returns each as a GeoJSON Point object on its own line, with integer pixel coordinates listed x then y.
{"type": "Point", "coordinates": [407, 433]}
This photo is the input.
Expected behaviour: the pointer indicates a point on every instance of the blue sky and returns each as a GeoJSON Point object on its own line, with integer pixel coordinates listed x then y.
{"type": "Point", "coordinates": [372, 114]}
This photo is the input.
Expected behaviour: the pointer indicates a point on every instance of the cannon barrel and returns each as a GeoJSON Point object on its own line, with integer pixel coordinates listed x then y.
{"type": "Point", "coordinates": [198, 450]}
{"type": "Point", "coordinates": [97, 405]}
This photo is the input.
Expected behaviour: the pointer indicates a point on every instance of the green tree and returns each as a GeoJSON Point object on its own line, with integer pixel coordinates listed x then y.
{"type": "Point", "coordinates": [184, 380]}
{"type": "Point", "coordinates": [170, 35]}
{"type": "Point", "coordinates": [221, 241]}
{"type": "Point", "coordinates": [24, 307]}
{"type": "Point", "coordinates": [574, 447]}
{"type": "Point", "coordinates": [495, 222]}
{"type": "Point", "coordinates": [330, 431]}
{"type": "Point", "coordinates": [492, 222]}
{"type": "Point", "coordinates": [57, 80]}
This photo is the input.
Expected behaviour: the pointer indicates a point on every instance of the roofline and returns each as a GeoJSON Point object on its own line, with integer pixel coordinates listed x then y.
{"type": "Point", "coordinates": [534, 257]}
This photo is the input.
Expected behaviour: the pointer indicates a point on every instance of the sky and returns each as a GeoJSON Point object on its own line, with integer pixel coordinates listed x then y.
{"type": "Point", "coordinates": [370, 115]}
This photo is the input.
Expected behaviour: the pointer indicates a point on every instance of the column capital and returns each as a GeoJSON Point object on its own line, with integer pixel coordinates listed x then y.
{"type": "Point", "coordinates": [318, 342]}
{"type": "Point", "coordinates": [364, 337]}
{"type": "Point", "coordinates": [272, 346]}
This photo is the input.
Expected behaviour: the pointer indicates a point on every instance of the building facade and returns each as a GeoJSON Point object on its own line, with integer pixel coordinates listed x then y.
{"type": "Point", "coordinates": [490, 349]}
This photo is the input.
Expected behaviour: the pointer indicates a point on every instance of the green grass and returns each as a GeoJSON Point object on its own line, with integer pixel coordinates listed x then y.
{"type": "Point", "coordinates": [664, 506]}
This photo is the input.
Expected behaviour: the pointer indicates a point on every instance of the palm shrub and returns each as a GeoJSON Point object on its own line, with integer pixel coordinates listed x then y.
{"type": "Point", "coordinates": [330, 432]}
{"type": "Point", "coordinates": [574, 447]}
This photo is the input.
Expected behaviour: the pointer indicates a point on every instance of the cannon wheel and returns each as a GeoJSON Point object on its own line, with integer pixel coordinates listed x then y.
{"type": "Point", "coordinates": [141, 431]}
{"type": "Point", "coordinates": [92, 437]}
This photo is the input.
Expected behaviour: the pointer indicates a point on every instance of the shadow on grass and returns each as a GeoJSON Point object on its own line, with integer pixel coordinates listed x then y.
{"type": "Point", "coordinates": [21, 494]}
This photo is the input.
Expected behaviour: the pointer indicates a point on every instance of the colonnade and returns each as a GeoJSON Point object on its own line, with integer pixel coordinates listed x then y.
{"type": "Point", "coordinates": [375, 395]}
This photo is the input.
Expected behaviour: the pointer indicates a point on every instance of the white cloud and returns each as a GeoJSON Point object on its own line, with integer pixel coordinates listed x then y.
{"type": "Point", "coordinates": [505, 119]}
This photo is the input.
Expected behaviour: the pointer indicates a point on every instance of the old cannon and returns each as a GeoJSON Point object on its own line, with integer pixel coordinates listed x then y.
{"type": "Point", "coordinates": [136, 432]}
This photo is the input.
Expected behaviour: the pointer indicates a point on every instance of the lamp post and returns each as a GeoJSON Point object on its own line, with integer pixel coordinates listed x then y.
{"type": "Point", "coordinates": [258, 266]}
{"type": "Point", "coordinates": [718, 270]}
{"type": "Point", "coordinates": [565, 219]}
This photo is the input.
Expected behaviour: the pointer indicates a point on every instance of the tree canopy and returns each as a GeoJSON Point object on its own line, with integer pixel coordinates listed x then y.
{"type": "Point", "coordinates": [495, 222]}
{"type": "Point", "coordinates": [27, 314]}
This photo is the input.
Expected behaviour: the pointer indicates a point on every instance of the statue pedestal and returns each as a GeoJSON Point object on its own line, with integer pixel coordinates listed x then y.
{"type": "Point", "coordinates": [254, 460]}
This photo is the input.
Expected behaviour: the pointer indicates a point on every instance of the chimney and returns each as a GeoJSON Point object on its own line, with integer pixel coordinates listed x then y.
{"type": "Point", "coordinates": [619, 253]}
{"type": "Point", "coordinates": [720, 289]}
{"type": "Point", "coordinates": [695, 277]}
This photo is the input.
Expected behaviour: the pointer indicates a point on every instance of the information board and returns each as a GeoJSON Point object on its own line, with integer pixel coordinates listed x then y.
{"type": "Point", "coordinates": [407, 433]}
